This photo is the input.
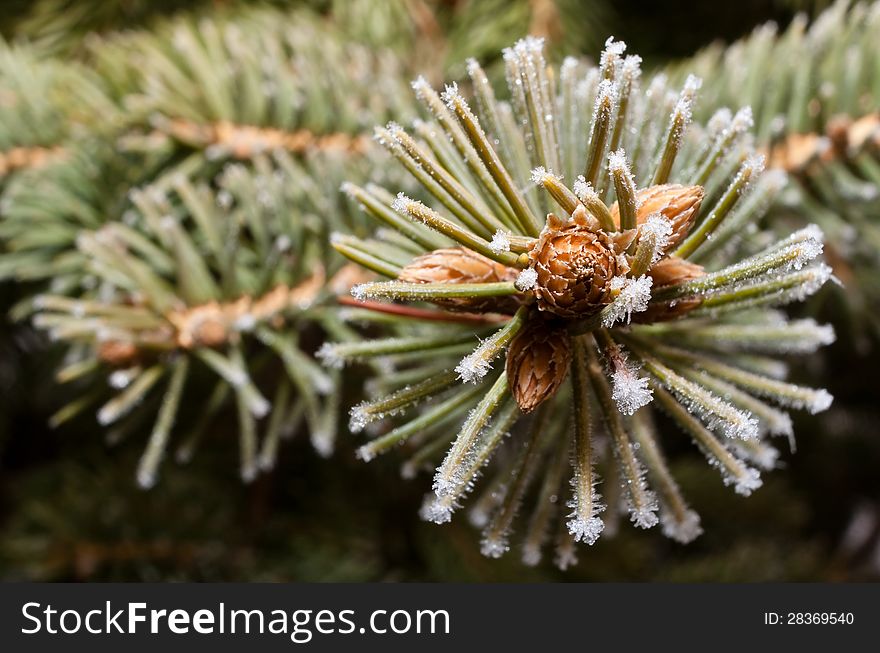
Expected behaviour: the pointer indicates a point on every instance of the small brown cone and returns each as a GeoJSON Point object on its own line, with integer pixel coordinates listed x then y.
{"type": "Point", "coordinates": [665, 272]}
{"type": "Point", "coordinates": [679, 204]}
{"type": "Point", "coordinates": [574, 266]}
{"type": "Point", "coordinates": [460, 265]}
{"type": "Point", "coordinates": [537, 363]}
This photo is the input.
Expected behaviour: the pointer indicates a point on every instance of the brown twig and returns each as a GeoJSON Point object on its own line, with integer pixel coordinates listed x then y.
{"type": "Point", "coordinates": [28, 157]}
{"type": "Point", "coordinates": [247, 141]}
{"type": "Point", "coordinates": [422, 313]}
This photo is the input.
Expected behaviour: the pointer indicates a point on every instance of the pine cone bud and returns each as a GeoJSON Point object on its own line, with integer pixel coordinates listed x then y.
{"type": "Point", "coordinates": [679, 204]}
{"type": "Point", "coordinates": [574, 266]}
{"type": "Point", "coordinates": [460, 265]}
{"type": "Point", "coordinates": [665, 272]}
{"type": "Point", "coordinates": [537, 362]}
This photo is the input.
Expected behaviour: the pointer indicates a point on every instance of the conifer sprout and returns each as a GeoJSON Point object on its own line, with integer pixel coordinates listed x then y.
{"type": "Point", "coordinates": [196, 95]}
{"type": "Point", "coordinates": [590, 293]}
{"type": "Point", "coordinates": [175, 246]}
{"type": "Point", "coordinates": [45, 103]}
{"type": "Point", "coordinates": [209, 292]}
{"type": "Point", "coordinates": [814, 92]}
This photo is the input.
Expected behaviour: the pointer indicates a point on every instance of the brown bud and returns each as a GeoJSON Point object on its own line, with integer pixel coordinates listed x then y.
{"type": "Point", "coordinates": [665, 272]}
{"type": "Point", "coordinates": [679, 204]}
{"type": "Point", "coordinates": [537, 362]}
{"type": "Point", "coordinates": [797, 151]}
{"type": "Point", "coordinates": [673, 269]}
{"type": "Point", "coordinates": [460, 265]}
{"type": "Point", "coordinates": [863, 131]}
{"type": "Point", "coordinates": [575, 266]}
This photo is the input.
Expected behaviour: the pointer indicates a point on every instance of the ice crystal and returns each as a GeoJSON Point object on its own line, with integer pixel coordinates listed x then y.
{"type": "Point", "coordinates": [566, 557]}
{"type": "Point", "coordinates": [474, 366]}
{"type": "Point", "coordinates": [584, 190]}
{"type": "Point", "coordinates": [617, 163]}
{"type": "Point", "coordinates": [500, 242]}
{"type": "Point", "coordinates": [526, 279]}
{"type": "Point", "coordinates": [585, 530]}
{"type": "Point", "coordinates": [358, 418]}
{"type": "Point", "coordinates": [402, 203]}
{"type": "Point", "coordinates": [629, 390]}
{"type": "Point", "coordinates": [494, 547]}
{"type": "Point", "coordinates": [328, 354]}
{"type": "Point", "coordinates": [683, 531]}
{"type": "Point", "coordinates": [658, 228]}
{"type": "Point", "coordinates": [146, 479]}
{"type": "Point", "coordinates": [120, 379]}
{"type": "Point", "coordinates": [633, 296]}
{"type": "Point", "coordinates": [451, 95]}
{"type": "Point", "coordinates": [747, 483]}
{"type": "Point", "coordinates": [322, 442]}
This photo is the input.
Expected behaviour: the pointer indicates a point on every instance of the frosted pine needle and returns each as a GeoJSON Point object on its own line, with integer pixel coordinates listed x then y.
{"type": "Point", "coordinates": [629, 390]}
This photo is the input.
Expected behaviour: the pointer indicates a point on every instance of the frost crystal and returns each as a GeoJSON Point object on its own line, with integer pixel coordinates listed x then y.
{"type": "Point", "coordinates": [747, 483]}
{"type": "Point", "coordinates": [604, 99]}
{"type": "Point", "coordinates": [632, 68]}
{"type": "Point", "coordinates": [435, 510]}
{"type": "Point", "coordinates": [245, 322]}
{"type": "Point", "coordinates": [451, 95]}
{"type": "Point", "coordinates": [584, 190]}
{"type": "Point", "coordinates": [633, 297]}
{"type": "Point", "coordinates": [719, 121]}
{"type": "Point", "coordinates": [120, 379]}
{"type": "Point", "coordinates": [613, 51]}
{"type": "Point", "coordinates": [585, 530]}
{"type": "Point", "coordinates": [761, 453]}
{"type": "Point", "coordinates": [539, 174]}
{"type": "Point", "coordinates": [360, 292]}
{"type": "Point", "coordinates": [682, 113]}
{"type": "Point", "coordinates": [684, 531]}
{"type": "Point", "coordinates": [420, 86]}
{"type": "Point", "coordinates": [365, 453]}
{"type": "Point", "coordinates": [493, 547]}
{"type": "Point", "coordinates": [818, 401]}
{"type": "Point", "coordinates": [474, 367]}
{"type": "Point", "coordinates": [322, 442]}
{"type": "Point", "coordinates": [617, 162]}
{"type": "Point", "coordinates": [402, 203]}
{"type": "Point", "coordinates": [146, 479]}
{"type": "Point", "coordinates": [566, 557]}
{"type": "Point", "coordinates": [531, 555]}
{"type": "Point", "coordinates": [358, 418]}
{"type": "Point", "coordinates": [584, 523]}
{"type": "Point", "coordinates": [646, 516]}
{"type": "Point", "coordinates": [330, 357]}
{"type": "Point", "coordinates": [526, 279]}
{"type": "Point", "coordinates": [629, 390]}
{"type": "Point", "coordinates": [659, 228]}
{"type": "Point", "coordinates": [743, 120]}
{"type": "Point", "coordinates": [500, 242]}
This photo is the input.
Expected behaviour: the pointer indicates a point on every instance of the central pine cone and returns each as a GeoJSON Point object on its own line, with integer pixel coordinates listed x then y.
{"type": "Point", "coordinates": [575, 267]}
